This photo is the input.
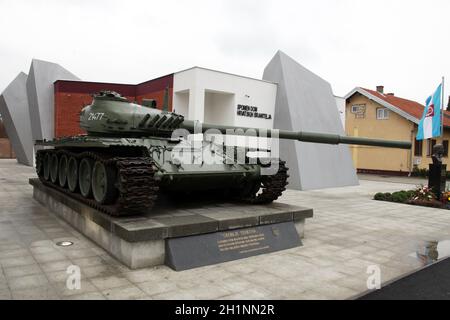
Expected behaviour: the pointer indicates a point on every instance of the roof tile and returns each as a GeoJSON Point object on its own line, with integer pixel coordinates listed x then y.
{"type": "Point", "coordinates": [413, 108]}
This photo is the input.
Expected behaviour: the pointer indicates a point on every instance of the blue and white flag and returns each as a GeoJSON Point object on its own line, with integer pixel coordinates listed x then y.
{"type": "Point", "coordinates": [430, 124]}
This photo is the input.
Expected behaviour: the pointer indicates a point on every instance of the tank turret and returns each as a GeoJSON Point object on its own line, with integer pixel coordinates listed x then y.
{"type": "Point", "coordinates": [130, 155]}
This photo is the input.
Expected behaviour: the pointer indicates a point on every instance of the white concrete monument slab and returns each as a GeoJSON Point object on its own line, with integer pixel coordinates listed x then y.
{"type": "Point", "coordinates": [16, 118]}
{"type": "Point", "coordinates": [40, 91]}
{"type": "Point", "coordinates": [305, 102]}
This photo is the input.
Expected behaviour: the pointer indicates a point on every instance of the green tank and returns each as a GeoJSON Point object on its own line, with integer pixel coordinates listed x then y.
{"type": "Point", "coordinates": [131, 153]}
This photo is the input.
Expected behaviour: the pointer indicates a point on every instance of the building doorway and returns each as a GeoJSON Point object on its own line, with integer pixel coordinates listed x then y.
{"type": "Point", "coordinates": [219, 107]}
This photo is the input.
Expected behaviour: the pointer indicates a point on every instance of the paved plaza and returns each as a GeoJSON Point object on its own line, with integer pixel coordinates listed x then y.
{"type": "Point", "coordinates": [348, 233]}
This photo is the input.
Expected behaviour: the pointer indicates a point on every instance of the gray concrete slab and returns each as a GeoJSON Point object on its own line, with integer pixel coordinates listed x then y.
{"type": "Point", "coordinates": [40, 93]}
{"type": "Point", "coordinates": [16, 118]}
{"type": "Point", "coordinates": [305, 102]}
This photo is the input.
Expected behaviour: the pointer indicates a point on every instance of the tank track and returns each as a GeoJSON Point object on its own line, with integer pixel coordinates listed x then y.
{"type": "Point", "coordinates": [271, 187]}
{"type": "Point", "coordinates": [136, 185]}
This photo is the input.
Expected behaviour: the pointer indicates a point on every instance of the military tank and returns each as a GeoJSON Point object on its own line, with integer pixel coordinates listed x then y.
{"type": "Point", "coordinates": [127, 158]}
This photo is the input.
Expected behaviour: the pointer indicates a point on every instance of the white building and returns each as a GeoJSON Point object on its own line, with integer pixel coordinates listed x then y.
{"type": "Point", "coordinates": [225, 99]}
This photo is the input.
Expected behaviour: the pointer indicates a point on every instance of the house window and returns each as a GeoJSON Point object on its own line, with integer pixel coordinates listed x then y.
{"type": "Point", "coordinates": [430, 144]}
{"type": "Point", "coordinates": [359, 110]}
{"type": "Point", "coordinates": [445, 144]}
{"type": "Point", "coordinates": [382, 114]}
{"type": "Point", "coordinates": [418, 148]}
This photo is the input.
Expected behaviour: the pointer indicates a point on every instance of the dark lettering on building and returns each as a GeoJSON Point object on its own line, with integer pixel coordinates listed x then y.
{"type": "Point", "coordinates": [251, 112]}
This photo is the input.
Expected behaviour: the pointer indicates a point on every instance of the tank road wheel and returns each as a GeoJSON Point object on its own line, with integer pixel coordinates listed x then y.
{"type": "Point", "coordinates": [47, 161]}
{"type": "Point", "coordinates": [85, 177]}
{"type": "Point", "coordinates": [72, 174]}
{"type": "Point", "coordinates": [269, 188]}
{"type": "Point", "coordinates": [103, 183]}
{"type": "Point", "coordinates": [40, 163]}
{"type": "Point", "coordinates": [54, 168]}
{"type": "Point", "coordinates": [62, 171]}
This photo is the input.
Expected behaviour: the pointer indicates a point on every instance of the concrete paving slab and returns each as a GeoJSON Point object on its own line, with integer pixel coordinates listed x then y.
{"type": "Point", "coordinates": [5, 294]}
{"type": "Point", "coordinates": [63, 291]}
{"type": "Point", "coordinates": [109, 282]}
{"type": "Point", "coordinates": [27, 282]}
{"type": "Point", "coordinates": [152, 288]}
{"type": "Point", "coordinates": [36, 293]}
{"type": "Point", "coordinates": [21, 271]}
{"type": "Point", "coordinates": [124, 293]}
{"type": "Point", "coordinates": [334, 254]}
{"type": "Point", "coordinates": [86, 296]}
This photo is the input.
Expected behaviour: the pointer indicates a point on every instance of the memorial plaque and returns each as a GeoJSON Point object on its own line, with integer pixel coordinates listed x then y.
{"type": "Point", "coordinates": [196, 251]}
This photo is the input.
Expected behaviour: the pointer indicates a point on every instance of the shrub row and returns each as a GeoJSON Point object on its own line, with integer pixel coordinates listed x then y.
{"type": "Point", "coordinates": [399, 196]}
{"type": "Point", "coordinates": [423, 173]}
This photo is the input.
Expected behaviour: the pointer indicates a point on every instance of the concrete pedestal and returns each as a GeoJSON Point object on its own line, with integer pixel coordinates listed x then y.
{"type": "Point", "coordinates": [140, 241]}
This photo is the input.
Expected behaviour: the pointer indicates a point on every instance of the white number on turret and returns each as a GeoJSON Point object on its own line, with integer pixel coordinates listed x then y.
{"type": "Point", "coordinates": [96, 116]}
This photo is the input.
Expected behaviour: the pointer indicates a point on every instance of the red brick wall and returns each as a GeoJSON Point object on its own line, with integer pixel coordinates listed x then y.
{"type": "Point", "coordinates": [2, 130]}
{"type": "Point", "coordinates": [5, 145]}
{"type": "Point", "coordinates": [155, 89]}
{"type": "Point", "coordinates": [72, 96]}
{"type": "Point", "coordinates": [6, 151]}
{"type": "Point", "coordinates": [67, 112]}
{"type": "Point", "coordinates": [158, 96]}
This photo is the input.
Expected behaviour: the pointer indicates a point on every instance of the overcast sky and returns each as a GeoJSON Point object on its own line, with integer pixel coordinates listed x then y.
{"type": "Point", "coordinates": [402, 44]}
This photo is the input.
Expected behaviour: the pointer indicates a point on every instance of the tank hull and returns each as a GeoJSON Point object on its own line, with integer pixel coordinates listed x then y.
{"type": "Point", "coordinates": [122, 176]}
{"type": "Point", "coordinates": [200, 169]}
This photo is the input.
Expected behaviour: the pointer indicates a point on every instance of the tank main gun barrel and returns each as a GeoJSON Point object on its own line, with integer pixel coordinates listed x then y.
{"type": "Point", "coordinates": [325, 138]}
{"type": "Point", "coordinates": [112, 114]}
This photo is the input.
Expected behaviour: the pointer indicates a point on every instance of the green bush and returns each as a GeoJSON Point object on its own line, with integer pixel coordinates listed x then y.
{"type": "Point", "coordinates": [420, 172]}
{"type": "Point", "coordinates": [423, 173]}
{"type": "Point", "coordinates": [383, 196]}
{"type": "Point", "coordinates": [402, 196]}
{"type": "Point", "coordinates": [399, 196]}
{"type": "Point", "coordinates": [380, 196]}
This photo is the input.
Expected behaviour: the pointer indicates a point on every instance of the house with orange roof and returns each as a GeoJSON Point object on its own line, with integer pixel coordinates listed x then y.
{"type": "Point", "coordinates": [376, 114]}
